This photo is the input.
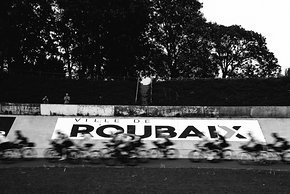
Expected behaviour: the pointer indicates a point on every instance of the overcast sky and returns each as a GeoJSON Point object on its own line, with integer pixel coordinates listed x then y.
{"type": "Point", "coordinates": [268, 17]}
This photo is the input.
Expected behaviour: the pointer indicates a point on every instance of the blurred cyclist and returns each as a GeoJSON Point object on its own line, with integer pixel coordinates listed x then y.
{"type": "Point", "coordinates": [20, 139]}
{"type": "Point", "coordinates": [123, 143]}
{"type": "Point", "coordinates": [280, 144]}
{"type": "Point", "coordinates": [4, 142]}
{"type": "Point", "coordinates": [62, 143]}
{"type": "Point", "coordinates": [252, 145]}
{"type": "Point", "coordinates": [163, 142]}
{"type": "Point", "coordinates": [221, 142]}
{"type": "Point", "coordinates": [86, 142]}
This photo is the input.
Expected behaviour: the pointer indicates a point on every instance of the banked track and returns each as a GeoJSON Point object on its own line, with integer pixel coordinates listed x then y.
{"type": "Point", "coordinates": [157, 176]}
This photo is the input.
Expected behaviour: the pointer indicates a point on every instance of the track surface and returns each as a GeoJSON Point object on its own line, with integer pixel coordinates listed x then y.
{"type": "Point", "coordinates": [161, 176]}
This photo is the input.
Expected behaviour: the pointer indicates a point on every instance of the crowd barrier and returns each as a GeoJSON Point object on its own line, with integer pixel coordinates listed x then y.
{"type": "Point", "coordinates": [146, 111]}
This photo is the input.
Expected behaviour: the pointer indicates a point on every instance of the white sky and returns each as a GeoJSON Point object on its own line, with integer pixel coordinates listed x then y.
{"type": "Point", "coordinates": [267, 17]}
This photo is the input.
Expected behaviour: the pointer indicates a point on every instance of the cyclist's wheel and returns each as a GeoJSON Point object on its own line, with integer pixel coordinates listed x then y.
{"type": "Point", "coordinates": [213, 156]}
{"type": "Point", "coordinates": [29, 153]}
{"type": "Point", "coordinates": [8, 155]}
{"type": "Point", "coordinates": [74, 156]}
{"type": "Point", "coordinates": [228, 154]}
{"type": "Point", "coordinates": [95, 157]}
{"type": "Point", "coordinates": [262, 158]}
{"type": "Point", "coordinates": [273, 157]}
{"type": "Point", "coordinates": [132, 159]}
{"type": "Point", "coordinates": [143, 156]}
{"type": "Point", "coordinates": [154, 153]}
{"type": "Point", "coordinates": [172, 153]}
{"type": "Point", "coordinates": [51, 155]}
{"type": "Point", "coordinates": [195, 156]}
{"type": "Point", "coordinates": [105, 153]}
{"type": "Point", "coordinates": [286, 157]}
{"type": "Point", "coordinates": [244, 158]}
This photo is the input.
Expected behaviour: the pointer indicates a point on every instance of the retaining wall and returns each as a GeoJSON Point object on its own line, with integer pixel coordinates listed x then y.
{"type": "Point", "coordinates": [146, 111]}
{"type": "Point", "coordinates": [40, 129]}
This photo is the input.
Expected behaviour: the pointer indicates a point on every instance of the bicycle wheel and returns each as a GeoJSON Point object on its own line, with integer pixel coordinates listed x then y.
{"type": "Point", "coordinates": [51, 155]}
{"type": "Point", "coordinates": [143, 156]}
{"type": "Point", "coordinates": [132, 159]}
{"type": "Point", "coordinates": [245, 158]}
{"type": "Point", "coordinates": [228, 154]}
{"type": "Point", "coordinates": [8, 156]}
{"type": "Point", "coordinates": [273, 157]}
{"type": "Point", "coordinates": [74, 156]}
{"type": "Point", "coordinates": [172, 153]}
{"type": "Point", "coordinates": [104, 153]}
{"type": "Point", "coordinates": [195, 156]}
{"type": "Point", "coordinates": [286, 157]}
{"type": "Point", "coordinates": [94, 157]}
{"type": "Point", "coordinates": [213, 156]}
{"type": "Point", "coordinates": [29, 153]}
{"type": "Point", "coordinates": [154, 153]}
{"type": "Point", "coordinates": [262, 158]}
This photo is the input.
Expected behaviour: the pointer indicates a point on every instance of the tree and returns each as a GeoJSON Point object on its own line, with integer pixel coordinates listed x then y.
{"type": "Point", "coordinates": [241, 53]}
{"type": "Point", "coordinates": [101, 38]}
{"type": "Point", "coordinates": [25, 34]}
{"type": "Point", "coordinates": [175, 32]}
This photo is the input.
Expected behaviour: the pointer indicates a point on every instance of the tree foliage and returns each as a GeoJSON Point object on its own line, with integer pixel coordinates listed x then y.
{"type": "Point", "coordinates": [175, 31]}
{"type": "Point", "coordinates": [87, 39]}
{"type": "Point", "coordinates": [240, 53]}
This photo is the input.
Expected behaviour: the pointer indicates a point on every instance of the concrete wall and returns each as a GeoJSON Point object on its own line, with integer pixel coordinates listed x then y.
{"type": "Point", "coordinates": [40, 129]}
{"type": "Point", "coordinates": [58, 109]}
{"type": "Point", "coordinates": [93, 110]}
{"type": "Point", "coordinates": [147, 111]}
{"type": "Point", "coordinates": [20, 109]}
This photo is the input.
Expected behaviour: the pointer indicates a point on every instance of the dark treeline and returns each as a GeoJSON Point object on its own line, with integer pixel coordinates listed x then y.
{"type": "Point", "coordinates": [89, 39]}
{"type": "Point", "coordinates": [191, 92]}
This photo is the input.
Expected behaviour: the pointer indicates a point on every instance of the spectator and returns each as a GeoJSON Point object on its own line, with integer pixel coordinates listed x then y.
{"type": "Point", "coordinates": [66, 99]}
{"type": "Point", "coordinates": [45, 100]}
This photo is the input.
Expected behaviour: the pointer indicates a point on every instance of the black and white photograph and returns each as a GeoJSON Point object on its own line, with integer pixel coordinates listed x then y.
{"type": "Point", "coordinates": [144, 96]}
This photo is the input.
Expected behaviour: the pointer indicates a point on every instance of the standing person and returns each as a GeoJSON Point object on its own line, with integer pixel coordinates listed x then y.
{"type": "Point", "coordinates": [66, 99]}
{"type": "Point", "coordinates": [45, 100]}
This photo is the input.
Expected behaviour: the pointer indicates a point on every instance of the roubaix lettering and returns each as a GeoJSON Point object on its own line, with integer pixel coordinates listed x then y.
{"type": "Point", "coordinates": [176, 129]}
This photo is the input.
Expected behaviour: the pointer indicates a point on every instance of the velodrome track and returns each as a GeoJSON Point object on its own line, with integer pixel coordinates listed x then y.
{"type": "Point", "coordinates": [156, 176]}
{"type": "Point", "coordinates": [179, 176]}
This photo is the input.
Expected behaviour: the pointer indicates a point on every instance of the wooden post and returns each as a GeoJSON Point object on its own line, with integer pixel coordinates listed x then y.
{"type": "Point", "coordinates": [137, 90]}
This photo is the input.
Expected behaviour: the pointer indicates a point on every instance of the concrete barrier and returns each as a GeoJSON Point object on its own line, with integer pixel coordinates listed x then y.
{"type": "Point", "coordinates": [20, 108]}
{"type": "Point", "coordinates": [270, 112]}
{"type": "Point", "coordinates": [59, 109]}
{"type": "Point", "coordinates": [95, 110]}
{"type": "Point", "coordinates": [147, 111]}
{"type": "Point", "coordinates": [160, 111]}
{"type": "Point", "coordinates": [232, 111]}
